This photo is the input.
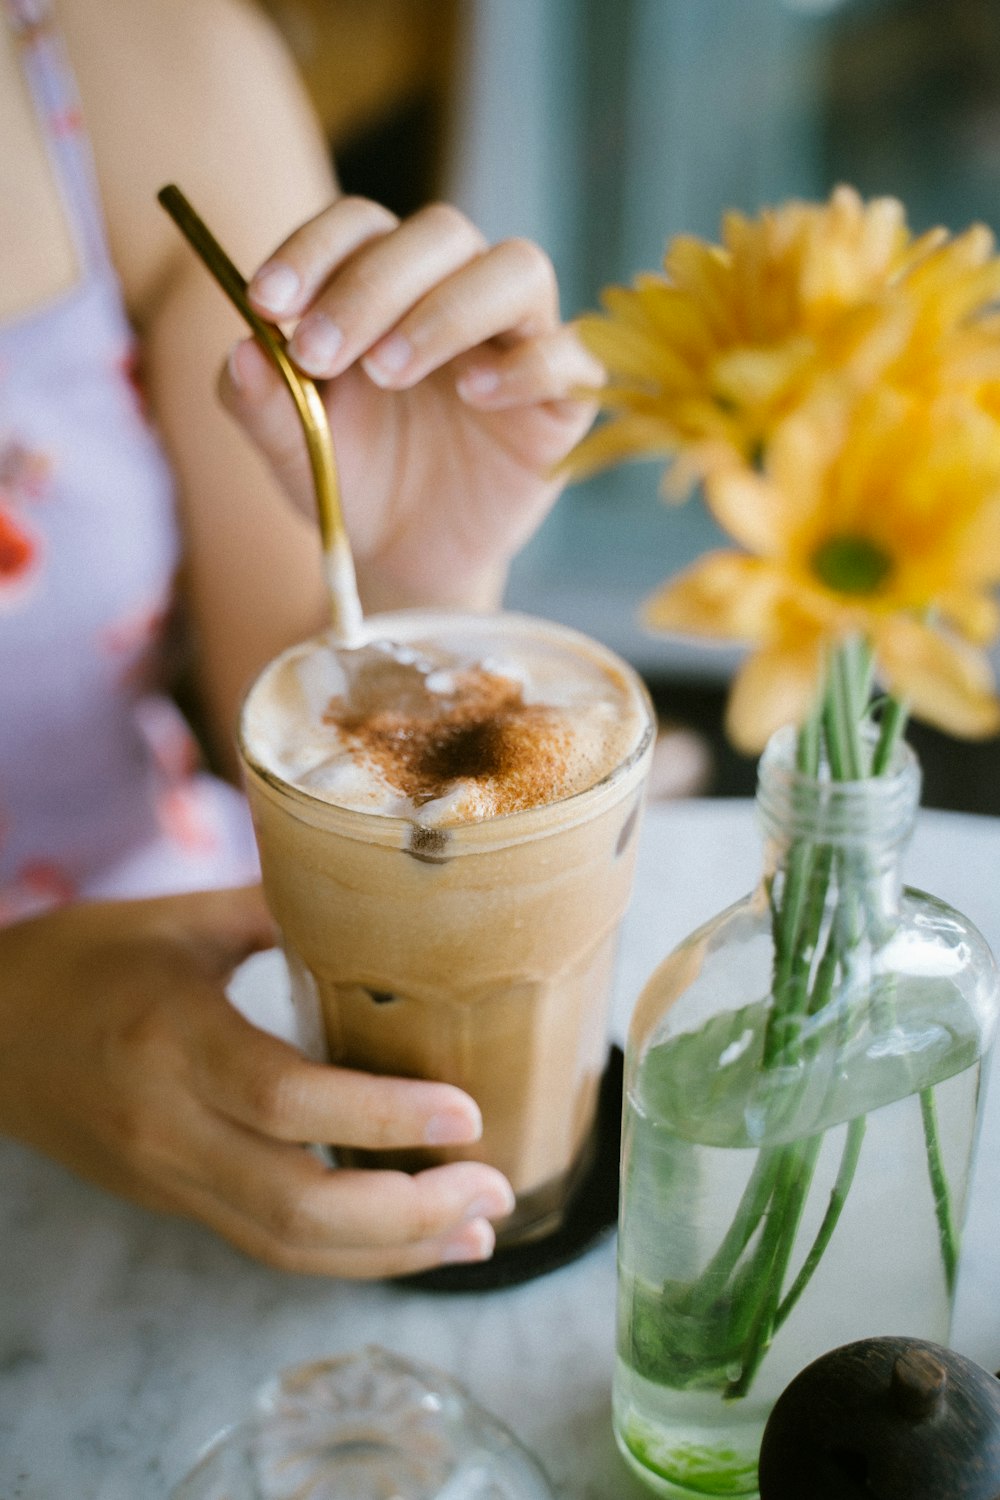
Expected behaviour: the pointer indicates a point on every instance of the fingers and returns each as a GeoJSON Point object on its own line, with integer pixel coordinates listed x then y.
{"type": "Point", "coordinates": [471, 1240]}
{"type": "Point", "coordinates": [509, 291]}
{"type": "Point", "coordinates": [293, 1206]}
{"type": "Point", "coordinates": [553, 367]}
{"type": "Point", "coordinates": [245, 1174]}
{"type": "Point", "coordinates": [290, 278]}
{"type": "Point", "coordinates": [221, 927]}
{"type": "Point", "coordinates": [372, 292]}
{"type": "Point", "coordinates": [404, 299]}
{"type": "Point", "coordinates": [263, 1083]}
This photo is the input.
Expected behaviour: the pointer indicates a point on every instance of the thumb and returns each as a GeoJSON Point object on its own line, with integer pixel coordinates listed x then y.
{"type": "Point", "coordinates": [222, 928]}
{"type": "Point", "coordinates": [252, 391]}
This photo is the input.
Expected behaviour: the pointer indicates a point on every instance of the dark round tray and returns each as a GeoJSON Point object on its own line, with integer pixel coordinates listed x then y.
{"type": "Point", "coordinates": [590, 1216]}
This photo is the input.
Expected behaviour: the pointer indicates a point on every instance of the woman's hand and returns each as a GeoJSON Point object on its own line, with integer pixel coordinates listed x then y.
{"type": "Point", "coordinates": [450, 385]}
{"type": "Point", "coordinates": [121, 1056]}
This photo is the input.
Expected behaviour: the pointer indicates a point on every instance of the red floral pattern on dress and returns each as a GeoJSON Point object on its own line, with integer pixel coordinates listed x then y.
{"type": "Point", "coordinates": [171, 744]}
{"type": "Point", "coordinates": [130, 367]}
{"type": "Point", "coordinates": [24, 476]}
{"type": "Point", "coordinates": [17, 549]}
{"type": "Point", "coordinates": [139, 641]}
{"type": "Point", "coordinates": [38, 886]}
{"type": "Point", "coordinates": [24, 473]}
{"type": "Point", "coordinates": [67, 121]}
{"type": "Point", "coordinates": [185, 817]}
{"type": "Point", "coordinates": [134, 633]}
{"type": "Point", "coordinates": [21, 553]}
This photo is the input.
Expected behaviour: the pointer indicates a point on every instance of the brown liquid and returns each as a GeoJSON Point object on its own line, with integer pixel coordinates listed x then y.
{"type": "Point", "coordinates": [480, 955]}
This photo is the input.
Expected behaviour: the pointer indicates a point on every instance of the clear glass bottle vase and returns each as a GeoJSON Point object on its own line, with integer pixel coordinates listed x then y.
{"type": "Point", "coordinates": [802, 1099]}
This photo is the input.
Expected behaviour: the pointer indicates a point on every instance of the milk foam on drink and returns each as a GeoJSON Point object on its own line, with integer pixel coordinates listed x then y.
{"type": "Point", "coordinates": [434, 731]}
{"type": "Point", "coordinates": [447, 829]}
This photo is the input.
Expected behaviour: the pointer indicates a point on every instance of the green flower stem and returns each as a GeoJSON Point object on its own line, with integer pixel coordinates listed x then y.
{"type": "Point", "coordinates": [838, 1197]}
{"type": "Point", "coordinates": [842, 722]}
{"type": "Point", "coordinates": [756, 1197]}
{"type": "Point", "coordinates": [764, 1277]}
{"type": "Point", "coordinates": [787, 917]}
{"type": "Point", "coordinates": [774, 1254]}
{"type": "Point", "coordinates": [826, 972]}
{"type": "Point", "coordinates": [787, 1216]}
{"type": "Point", "coordinates": [947, 1233]}
{"type": "Point", "coordinates": [791, 982]}
{"type": "Point", "coordinates": [855, 662]}
{"type": "Point", "coordinates": [807, 748]}
{"type": "Point", "coordinates": [848, 686]}
{"type": "Point", "coordinates": [796, 957]}
{"type": "Point", "coordinates": [892, 728]}
{"type": "Point", "coordinates": [798, 924]}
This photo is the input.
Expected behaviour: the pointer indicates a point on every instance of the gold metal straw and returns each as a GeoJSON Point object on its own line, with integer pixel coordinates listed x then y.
{"type": "Point", "coordinates": [341, 580]}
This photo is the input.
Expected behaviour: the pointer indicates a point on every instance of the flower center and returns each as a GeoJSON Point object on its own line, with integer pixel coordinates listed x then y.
{"type": "Point", "coordinates": [851, 565]}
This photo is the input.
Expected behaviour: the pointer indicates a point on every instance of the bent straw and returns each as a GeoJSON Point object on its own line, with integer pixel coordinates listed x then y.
{"type": "Point", "coordinates": [339, 563]}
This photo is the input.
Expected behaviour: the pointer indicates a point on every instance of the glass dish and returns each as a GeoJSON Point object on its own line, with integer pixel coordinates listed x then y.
{"type": "Point", "coordinates": [366, 1426]}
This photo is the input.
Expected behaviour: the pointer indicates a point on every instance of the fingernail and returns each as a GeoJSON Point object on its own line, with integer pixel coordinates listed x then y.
{"type": "Point", "coordinates": [452, 1128]}
{"type": "Point", "coordinates": [388, 359]}
{"type": "Point", "coordinates": [478, 383]}
{"type": "Point", "coordinates": [492, 1205]}
{"type": "Point", "coordinates": [276, 287]}
{"type": "Point", "coordinates": [475, 1242]}
{"type": "Point", "coordinates": [316, 343]}
{"type": "Point", "coordinates": [248, 368]}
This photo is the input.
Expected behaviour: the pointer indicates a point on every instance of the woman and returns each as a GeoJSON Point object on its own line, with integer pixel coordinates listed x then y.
{"type": "Point", "coordinates": [124, 871]}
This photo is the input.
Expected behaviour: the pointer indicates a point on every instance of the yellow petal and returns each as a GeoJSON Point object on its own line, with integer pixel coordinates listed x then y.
{"type": "Point", "coordinates": [883, 234]}
{"type": "Point", "coordinates": [703, 272]}
{"type": "Point", "coordinates": [775, 686]}
{"type": "Point", "coordinates": [676, 317]}
{"type": "Point", "coordinates": [974, 615]}
{"type": "Point", "coordinates": [757, 377]}
{"type": "Point", "coordinates": [866, 339]}
{"type": "Point", "coordinates": [751, 509]}
{"type": "Point", "coordinates": [722, 596]}
{"type": "Point", "coordinates": [633, 353]}
{"type": "Point", "coordinates": [623, 437]}
{"type": "Point", "coordinates": [947, 683]}
{"type": "Point", "coordinates": [919, 249]}
{"type": "Point", "coordinates": [767, 513]}
{"type": "Point", "coordinates": [851, 247]}
{"type": "Point", "coordinates": [981, 540]}
{"type": "Point", "coordinates": [698, 462]}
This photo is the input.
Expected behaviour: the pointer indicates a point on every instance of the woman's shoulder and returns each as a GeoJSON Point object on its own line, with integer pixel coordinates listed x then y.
{"type": "Point", "coordinates": [202, 93]}
{"type": "Point", "coordinates": [173, 53]}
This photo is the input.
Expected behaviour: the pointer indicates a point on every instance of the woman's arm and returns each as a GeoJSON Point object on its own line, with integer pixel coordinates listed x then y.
{"type": "Point", "coordinates": [222, 114]}
{"type": "Point", "coordinates": [444, 454]}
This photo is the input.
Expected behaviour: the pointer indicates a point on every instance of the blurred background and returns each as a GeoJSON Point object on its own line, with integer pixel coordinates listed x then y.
{"type": "Point", "coordinates": [601, 130]}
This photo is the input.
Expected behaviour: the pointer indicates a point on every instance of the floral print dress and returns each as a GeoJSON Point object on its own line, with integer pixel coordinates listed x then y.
{"type": "Point", "coordinates": [100, 788]}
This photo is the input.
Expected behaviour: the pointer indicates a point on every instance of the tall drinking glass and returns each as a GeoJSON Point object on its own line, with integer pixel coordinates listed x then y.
{"type": "Point", "coordinates": [475, 952]}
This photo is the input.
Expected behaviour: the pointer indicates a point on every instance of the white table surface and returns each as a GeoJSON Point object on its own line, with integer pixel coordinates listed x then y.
{"type": "Point", "coordinates": [127, 1340]}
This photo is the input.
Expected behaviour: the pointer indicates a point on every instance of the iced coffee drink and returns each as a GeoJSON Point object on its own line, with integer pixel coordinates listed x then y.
{"type": "Point", "coordinates": [447, 822]}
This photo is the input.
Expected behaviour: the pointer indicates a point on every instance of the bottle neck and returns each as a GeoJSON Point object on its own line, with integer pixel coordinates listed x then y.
{"type": "Point", "coordinates": [856, 830]}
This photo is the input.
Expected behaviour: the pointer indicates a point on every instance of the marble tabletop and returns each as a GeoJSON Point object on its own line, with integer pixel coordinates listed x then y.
{"type": "Point", "coordinates": [127, 1340]}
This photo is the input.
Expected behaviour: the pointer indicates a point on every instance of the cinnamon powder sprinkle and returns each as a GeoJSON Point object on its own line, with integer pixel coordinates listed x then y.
{"type": "Point", "coordinates": [482, 730]}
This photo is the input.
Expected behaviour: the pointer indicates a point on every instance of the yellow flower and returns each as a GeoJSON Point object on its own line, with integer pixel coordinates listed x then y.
{"type": "Point", "coordinates": [706, 360]}
{"type": "Point", "coordinates": [877, 518]}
